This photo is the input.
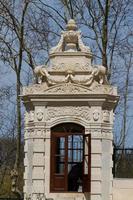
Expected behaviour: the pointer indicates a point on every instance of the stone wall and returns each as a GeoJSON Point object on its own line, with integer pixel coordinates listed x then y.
{"type": "Point", "coordinates": [123, 189]}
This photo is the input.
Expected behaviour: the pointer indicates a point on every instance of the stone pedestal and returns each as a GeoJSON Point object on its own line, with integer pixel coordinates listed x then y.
{"type": "Point", "coordinates": [70, 90]}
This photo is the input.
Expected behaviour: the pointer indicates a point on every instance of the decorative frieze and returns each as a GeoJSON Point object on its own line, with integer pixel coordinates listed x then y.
{"type": "Point", "coordinates": [96, 73]}
{"type": "Point", "coordinates": [69, 88]}
{"type": "Point", "coordinates": [34, 133]}
{"type": "Point", "coordinates": [77, 67]}
{"type": "Point", "coordinates": [76, 111]}
{"type": "Point", "coordinates": [102, 134]}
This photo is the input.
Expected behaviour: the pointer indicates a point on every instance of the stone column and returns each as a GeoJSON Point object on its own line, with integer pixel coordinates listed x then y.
{"type": "Point", "coordinates": [34, 161]}
{"type": "Point", "coordinates": [101, 155]}
{"type": "Point", "coordinates": [47, 160]}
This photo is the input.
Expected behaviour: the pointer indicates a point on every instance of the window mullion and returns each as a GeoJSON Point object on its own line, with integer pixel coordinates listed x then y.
{"type": "Point", "coordinates": [66, 162]}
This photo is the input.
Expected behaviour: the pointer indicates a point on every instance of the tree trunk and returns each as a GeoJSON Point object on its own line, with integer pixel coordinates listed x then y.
{"type": "Point", "coordinates": [18, 151]}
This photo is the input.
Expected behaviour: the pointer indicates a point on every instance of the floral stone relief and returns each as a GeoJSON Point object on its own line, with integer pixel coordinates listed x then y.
{"type": "Point", "coordinates": [76, 111]}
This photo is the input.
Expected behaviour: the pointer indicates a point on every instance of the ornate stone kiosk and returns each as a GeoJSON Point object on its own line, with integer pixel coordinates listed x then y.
{"type": "Point", "coordinates": [68, 125]}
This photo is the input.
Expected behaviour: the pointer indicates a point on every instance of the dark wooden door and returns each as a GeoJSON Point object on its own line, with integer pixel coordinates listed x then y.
{"type": "Point", "coordinates": [87, 164]}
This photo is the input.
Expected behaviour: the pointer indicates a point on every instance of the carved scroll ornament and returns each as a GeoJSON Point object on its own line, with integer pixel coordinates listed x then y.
{"type": "Point", "coordinates": [97, 73]}
{"type": "Point", "coordinates": [76, 111]}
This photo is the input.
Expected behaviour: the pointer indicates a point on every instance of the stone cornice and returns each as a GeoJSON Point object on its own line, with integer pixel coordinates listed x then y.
{"type": "Point", "coordinates": [68, 89]}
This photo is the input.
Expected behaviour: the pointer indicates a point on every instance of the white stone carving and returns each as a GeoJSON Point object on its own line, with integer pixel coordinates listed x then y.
{"type": "Point", "coordinates": [76, 111]}
{"type": "Point", "coordinates": [107, 135]}
{"type": "Point", "coordinates": [70, 40]}
{"type": "Point", "coordinates": [71, 43]}
{"type": "Point", "coordinates": [96, 115]}
{"type": "Point", "coordinates": [51, 80]}
{"type": "Point", "coordinates": [31, 116]}
{"type": "Point", "coordinates": [72, 77]}
{"type": "Point", "coordinates": [35, 89]}
{"type": "Point", "coordinates": [30, 133]}
{"type": "Point", "coordinates": [76, 67]}
{"type": "Point", "coordinates": [106, 116]}
{"type": "Point", "coordinates": [97, 73]}
{"type": "Point", "coordinates": [68, 88]}
{"type": "Point", "coordinates": [102, 133]}
{"type": "Point", "coordinates": [39, 115]}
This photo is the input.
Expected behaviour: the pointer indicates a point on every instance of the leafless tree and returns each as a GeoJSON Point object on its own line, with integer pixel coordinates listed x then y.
{"type": "Point", "coordinates": [30, 27]}
{"type": "Point", "coordinates": [20, 41]}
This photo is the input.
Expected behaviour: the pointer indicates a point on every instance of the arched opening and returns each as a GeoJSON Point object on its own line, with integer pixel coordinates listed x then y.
{"type": "Point", "coordinates": [70, 158]}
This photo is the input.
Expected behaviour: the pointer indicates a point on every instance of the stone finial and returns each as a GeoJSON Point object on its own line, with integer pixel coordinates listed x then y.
{"type": "Point", "coordinates": [71, 26]}
{"type": "Point", "coordinates": [70, 40]}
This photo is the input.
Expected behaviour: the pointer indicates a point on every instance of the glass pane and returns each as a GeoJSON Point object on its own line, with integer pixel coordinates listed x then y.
{"type": "Point", "coordinates": [62, 152]}
{"type": "Point", "coordinates": [59, 160]}
{"type": "Point", "coordinates": [77, 141]}
{"type": "Point", "coordinates": [69, 141]}
{"type": "Point", "coordinates": [70, 155]}
{"type": "Point", "coordinates": [59, 168]}
{"type": "Point", "coordinates": [77, 155]}
{"type": "Point", "coordinates": [62, 143]}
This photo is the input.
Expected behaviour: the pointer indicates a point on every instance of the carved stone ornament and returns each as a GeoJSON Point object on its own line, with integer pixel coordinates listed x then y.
{"type": "Point", "coordinates": [30, 133]}
{"type": "Point", "coordinates": [102, 134]}
{"type": "Point", "coordinates": [31, 116]}
{"type": "Point", "coordinates": [96, 115]}
{"type": "Point", "coordinates": [69, 88]}
{"type": "Point", "coordinates": [39, 115]}
{"type": "Point", "coordinates": [70, 40]}
{"type": "Point", "coordinates": [106, 116]}
{"type": "Point", "coordinates": [96, 73]}
{"type": "Point", "coordinates": [75, 111]}
{"type": "Point", "coordinates": [73, 73]}
{"type": "Point", "coordinates": [77, 67]}
{"type": "Point", "coordinates": [72, 69]}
